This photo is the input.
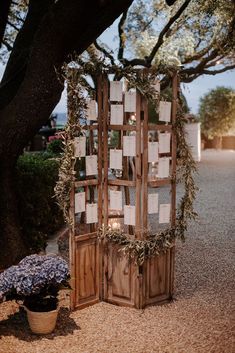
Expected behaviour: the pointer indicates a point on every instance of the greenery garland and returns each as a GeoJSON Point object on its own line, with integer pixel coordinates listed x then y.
{"type": "Point", "coordinates": [139, 250]}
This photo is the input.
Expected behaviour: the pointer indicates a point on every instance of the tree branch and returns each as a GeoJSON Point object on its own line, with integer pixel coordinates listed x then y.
{"type": "Point", "coordinates": [4, 11]}
{"type": "Point", "coordinates": [148, 59]}
{"type": "Point", "coordinates": [121, 35]}
{"type": "Point", "coordinates": [12, 25]}
{"type": "Point", "coordinates": [40, 89]}
{"type": "Point", "coordinates": [165, 30]}
{"type": "Point", "coordinates": [219, 71]}
{"type": "Point", "coordinates": [105, 52]}
{"type": "Point", "coordinates": [7, 45]}
{"type": "Point", "coordinates": [17, 63]}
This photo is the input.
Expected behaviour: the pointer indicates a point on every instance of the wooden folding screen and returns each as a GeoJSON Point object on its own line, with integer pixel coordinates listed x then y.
{"type": "Point", "coordinates": [99, 270]}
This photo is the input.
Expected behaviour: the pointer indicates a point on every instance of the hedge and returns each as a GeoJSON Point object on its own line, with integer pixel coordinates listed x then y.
{"type": "Point", "coordinates": [39, 214]}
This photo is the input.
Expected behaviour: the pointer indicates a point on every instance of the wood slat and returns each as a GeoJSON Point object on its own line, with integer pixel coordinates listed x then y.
{"type": "Point", "coordinates": [89, 182]}
{"type": "Point", "coordinates": [158, 127]}
{"type": "Point", "coordinates": [122, 127]}
{"type": "Point", "coordinates": [121, 182]}
{"type": "Point", "coordinates": [159, 182]}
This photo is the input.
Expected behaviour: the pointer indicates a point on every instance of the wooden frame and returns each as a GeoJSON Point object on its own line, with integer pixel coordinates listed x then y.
{"type": "Point", "coordinates": [99, 271]}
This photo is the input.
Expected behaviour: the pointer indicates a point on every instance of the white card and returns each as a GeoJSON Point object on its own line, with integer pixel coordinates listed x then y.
{"type": "Point", "coordinates": [156, 86]}
{"type": "Point", "coordinates": [115, 160]}
{"type": "Point", "coordinates": [116, 91]}
{"type": "Point", "coordinates": [116, 200]}
{"type": "Point", "coordinates": [80, 146]}
{"type": "Point", "coordinates": [129, 215]}
{"type": "Point", "coordinates": [129, 146]}
{"type": "Point", "coordinates": [152, 152]}
{"type": "Point", "coordinates": [152, 203]}
{"type": "Point", "coordinates": [130, 101]}
{"type": "Point", "coordinates": [91, 213]}
{"type": "Point", "coordinates": [116, 114]}
{"type": "Point", "coordinates": [91, 165]}
{"type": "Point", "coordinates": [165, 111]}
{"type": "Point", "coordinates": [164, 167]}
{"type": "Point", "coordinates": [91, 111]}
{"type": "Point", "coordinates": [164, 142]}
{"type": "Point", "coordinates": [80, 204]}
{"type": "Point", "coordinates": [164, 213]}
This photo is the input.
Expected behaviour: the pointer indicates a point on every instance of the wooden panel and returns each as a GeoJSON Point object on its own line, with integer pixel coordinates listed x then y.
{"type": "Point", "coordinates": [157, 279]}
{"type": "Point", "coordinates": [86, 271]}
{"type": "Point", "coordinates": [120, 278]}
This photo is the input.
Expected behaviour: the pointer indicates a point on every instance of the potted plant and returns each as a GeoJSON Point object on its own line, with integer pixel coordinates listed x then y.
{"type": "Point", "coordinates": [36, 281]}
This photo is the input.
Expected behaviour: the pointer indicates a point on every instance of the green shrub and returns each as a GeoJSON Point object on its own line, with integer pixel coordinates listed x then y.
{"type": "Point", "coordinates": [55, 146]}
{"type": "Point", "coordinates": [40, 215]}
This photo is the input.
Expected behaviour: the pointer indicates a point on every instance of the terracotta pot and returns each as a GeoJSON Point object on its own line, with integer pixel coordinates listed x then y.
{"type": "Point", "coordinates": [42, 323]}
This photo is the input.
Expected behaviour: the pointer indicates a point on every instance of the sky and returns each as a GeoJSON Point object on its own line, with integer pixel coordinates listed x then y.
{"type": "Point", "coordinates": [192, 91]}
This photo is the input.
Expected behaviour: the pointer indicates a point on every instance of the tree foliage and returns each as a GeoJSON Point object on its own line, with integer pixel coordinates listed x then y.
{"type": "Point", "coordinates": [197, 34]}
{"type": "Point", "coordinates": [217, 111]}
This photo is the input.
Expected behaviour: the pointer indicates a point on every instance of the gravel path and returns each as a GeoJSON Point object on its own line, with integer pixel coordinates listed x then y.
{"type": "Point", "coordinates": [200, 320]}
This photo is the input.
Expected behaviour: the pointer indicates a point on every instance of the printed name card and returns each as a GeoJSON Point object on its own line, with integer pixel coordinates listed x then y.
{"type": "Point", "coordinates": [164, 213]}
{"type": "Point", "coordinates": [116, 114]}
{"type": "Point", "coordinates": [164, 167]}
{"type": "Point", "coordinates": [80, 204]}
{"type": "Point", "coordinates": [116, 91]}
{"type": "Point", "coordinates": [130, 102]}
{"type": "Point", "coordinates": [91, 213]}
{"type": "Point", "coordinates": [152, 203]}
{"type": "Point", "coordinates": [80, 146]}
{"type": "Point", "coordinates": [129, 146]}
{"type": "Point", "coordinates": [115, 200]}
{"type": "Point", "coordinates": [115, 160]}
{"type": "Point", "coordinates": [152, 152]}
{"type": "Point", "coordinates": [156, 86]}
{"type": "Point", "coordinates": [91, 165]}
{"type": "Point", "coordinates": [91, 111]}
{"type": "Point", "coordinates": [129, 215]}
{"type": "Point", "coordinates": [165, 111]}
{"type": "Point", "coordinates": [164, 142]}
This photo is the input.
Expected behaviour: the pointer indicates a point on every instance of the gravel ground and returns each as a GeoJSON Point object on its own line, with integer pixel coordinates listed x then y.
{"type": "Point", "coordinates": [200, 320]}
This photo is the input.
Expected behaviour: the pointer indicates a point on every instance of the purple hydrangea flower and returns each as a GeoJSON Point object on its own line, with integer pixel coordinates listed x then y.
{"type": "Point", "coordinates": [32, 275]}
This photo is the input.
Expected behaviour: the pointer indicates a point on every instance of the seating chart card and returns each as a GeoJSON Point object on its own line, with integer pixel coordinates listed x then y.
{"type": "Point", "coordinates": [115, 160]}
{"type": "Point", "coordinates": [80, 204]}
{"type": "Point", "coordinates": [130, 102]}
{"type": "Point", "coordinates": [129, 215]}
{"type": "Point", "coordinates": [80, 146]}
{"type": "Point", "coordinates": [116, 114]}
{"type": "Point", "coordinates": [116, 200]}
{"type": "Point", "coordinates": [156, 86]}
{"type": "Point", "coordinates": [164, 213]}
{"type": "Point", "coordinates": [152, 203]}
{"type": "Point", "coordinates": [165, 111]}
{"type": "Point", "coordinates": [91, 165]}
{"type": "Point", "coordinates": [91, 213]}
{"type": "Point", "coordinates": [116, 91]}
{"type": "Point", "coordinates": [165, 142]}
{"type": "Point", "coordinates": [91, 111]}
{"type": "Point", "coordinates": [152, 152]}
{"type": "Point", "coordinates": [129, 146]}
{"type": "Point", "coordinates": [164, 167]}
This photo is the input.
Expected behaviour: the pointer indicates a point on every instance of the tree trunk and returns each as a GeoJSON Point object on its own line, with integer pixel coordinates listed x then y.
{"type": "Point", "coordinates": [13, 247]}
{"type": "Point", "coordinates": [69, 25]}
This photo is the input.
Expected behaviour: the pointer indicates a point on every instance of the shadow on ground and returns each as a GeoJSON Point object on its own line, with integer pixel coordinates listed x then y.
{"type": "Point", "coordinates": [17, 325]}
